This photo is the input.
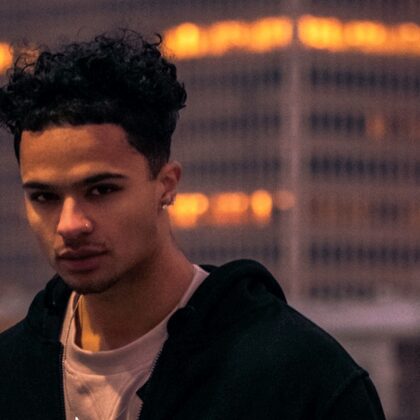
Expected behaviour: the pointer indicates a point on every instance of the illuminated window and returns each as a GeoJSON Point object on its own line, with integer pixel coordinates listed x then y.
{"type": "Point", "coordinates": [189, 40]}
{"type": "Point", "coordinates": [230, 208]}
{"type": "Point", "coordinates": [6, 56]}
{"type": "Point", "coordinates": [189, 208]}
{"type": "Point", "coordinates": [363, 36]}
{"type": "Point", "coordinates": [261, 204]}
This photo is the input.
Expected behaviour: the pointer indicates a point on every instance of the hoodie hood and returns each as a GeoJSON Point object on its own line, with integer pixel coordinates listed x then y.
{"type": "Point", "coordinates": [47, 310]}
{"type": "Point", "coordinates": [228, 294]}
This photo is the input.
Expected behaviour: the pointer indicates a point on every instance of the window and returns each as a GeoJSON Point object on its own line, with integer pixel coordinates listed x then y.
{"type": "Point", "coordinates": [349, 168]}
{"type": "Point", "coordinates": [365, 81]}
{"type": "Point", "coordinates": [264, 252]}
{"type": "Point", "coordinates": [268, 166]}
{"type": "Point", "coordinates": [237, 80]}
{"type": "Point", "coordinates": [357, 211]}
{"type": "Point", "coordinates": [235, 126]}
{"type": "Point", "coordinates": [327, 253]}
{"type": "Point", "coordinates": [347, 289]}
{"type": "Point", "coordinates": [337, 123]}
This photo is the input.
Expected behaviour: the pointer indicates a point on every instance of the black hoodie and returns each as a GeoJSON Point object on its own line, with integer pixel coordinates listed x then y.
{"type": "Point", "coordinates": [236, 351]}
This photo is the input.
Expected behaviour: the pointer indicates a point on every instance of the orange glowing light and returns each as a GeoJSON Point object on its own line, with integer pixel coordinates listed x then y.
{"type": "Point", "coordinates": [188, 208]}
{"type": "Point", "coordinates": [320, 33]}
{"type": "Point", "coordinates": [368, 37]}
{"type": "Point", "coordinates": [230, 202]}
{"type": "Point", "coordinates": [185, 41]}
{"type": "Point", "coordinates": [6, 56]}
{"type": "Point", "coordinates": [225, 36]}
{"type": "Point", "coordinates": [409, 33]}
{"type": "Point", "coordinates": [229, 208]}
{"type": "Point", "coordinates": [261, 205]}
{"type": "Point", "coordinates": [189, 40]}
{"type": "Point", "coordinates": [270, 33]}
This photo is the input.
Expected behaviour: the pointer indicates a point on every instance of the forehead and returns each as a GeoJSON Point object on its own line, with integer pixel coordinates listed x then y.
{"type": "Point", "coordinates": [74, 151]}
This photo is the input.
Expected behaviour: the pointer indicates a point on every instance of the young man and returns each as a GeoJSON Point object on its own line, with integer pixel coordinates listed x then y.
{"type": "Point", "coordinates": [129, 327]}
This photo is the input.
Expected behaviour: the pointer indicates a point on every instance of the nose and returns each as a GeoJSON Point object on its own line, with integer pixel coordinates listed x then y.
{"type": "Point", "coordinates": [73, 222]}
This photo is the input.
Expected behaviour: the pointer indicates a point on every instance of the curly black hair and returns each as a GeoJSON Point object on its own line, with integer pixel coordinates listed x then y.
{"type": "Point", "coordinates": [115, 78]}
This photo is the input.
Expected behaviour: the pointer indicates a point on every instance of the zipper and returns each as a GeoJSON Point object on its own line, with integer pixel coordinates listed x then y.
{"type": "Point", "coordinates": [62, 394]}
{"type": "Point", "coordinates": [152, 370]}
{"type": "Point", "coordinates": [156, 363]}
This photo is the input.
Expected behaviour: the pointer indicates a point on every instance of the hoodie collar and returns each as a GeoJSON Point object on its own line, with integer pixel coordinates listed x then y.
{"type": "Point", "coordinates": [228, 294]}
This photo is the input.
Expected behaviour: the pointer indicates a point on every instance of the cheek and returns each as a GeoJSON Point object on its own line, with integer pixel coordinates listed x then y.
{"type": "Point", "coordinates": [33, 219]}
{"type": "Point", "coordinates": [38, 225]}
{"type": "Point", "coordinates": [139, 223]}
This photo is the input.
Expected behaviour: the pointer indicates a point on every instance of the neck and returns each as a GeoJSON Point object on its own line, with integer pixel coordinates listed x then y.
{"type": "Point", "coordinates": [133, 306]}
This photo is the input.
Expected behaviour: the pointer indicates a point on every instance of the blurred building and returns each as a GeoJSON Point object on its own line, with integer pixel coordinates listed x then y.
{"type": "Point", "coordinates": [304, 140]}
{"type": "Point", "coordinates": [301, 149]}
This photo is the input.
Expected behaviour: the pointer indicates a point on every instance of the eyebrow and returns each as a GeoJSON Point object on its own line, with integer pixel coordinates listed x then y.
{"type": "Point", "coordinates": [93, 179]}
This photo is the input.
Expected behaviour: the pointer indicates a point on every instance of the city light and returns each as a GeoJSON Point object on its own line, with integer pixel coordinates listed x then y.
{"type": "Point", "coordinates": [364, 36]}
{"type": "Point", "coordinates": [190, 40]}
{"type": "Point", "coordinates": [188, 208]}
{"type": "Point", "coordinates": [6, 56]}
{"type": "Point", "coordinates": [228, 208]}
{"type": "Point", "coordinates": [262, 205]}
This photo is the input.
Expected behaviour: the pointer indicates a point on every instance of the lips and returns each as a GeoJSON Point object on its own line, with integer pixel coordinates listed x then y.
{"type": "Point", "coordinates": [82, 260]}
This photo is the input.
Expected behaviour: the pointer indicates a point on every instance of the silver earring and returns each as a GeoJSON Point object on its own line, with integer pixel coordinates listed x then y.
{"type": "Point", "coordinates": [167, 203]}
{"type": "Point", "coordinates": [88, 226]}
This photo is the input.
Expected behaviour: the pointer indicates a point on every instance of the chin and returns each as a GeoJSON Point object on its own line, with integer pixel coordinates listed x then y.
{"type": "Point", "coordinates": [83, 285]}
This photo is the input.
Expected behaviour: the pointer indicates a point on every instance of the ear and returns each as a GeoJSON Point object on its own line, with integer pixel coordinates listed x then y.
{"type": "Point", "coordinates": [168, 179]}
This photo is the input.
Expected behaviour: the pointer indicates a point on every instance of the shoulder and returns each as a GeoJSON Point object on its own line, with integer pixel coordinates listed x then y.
{"type": "Point", "coordinates": [14, 344]}
{"type": "Point", "coordinates": [243, 298]}
{"type": "Point", "coordinates": [244, 295]}
{"type": "Point", "coordinates": [11, 335]}
{"type": "Point", "coordinates": [298, 344]}
{"type": "Point", "coordinates": [42, 322]}
{"type": "Point", "coordinates": [299, 362]}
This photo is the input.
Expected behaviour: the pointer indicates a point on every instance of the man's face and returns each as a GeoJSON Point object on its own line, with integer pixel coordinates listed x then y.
{"type": "Point", "coordinates": [92, 204]}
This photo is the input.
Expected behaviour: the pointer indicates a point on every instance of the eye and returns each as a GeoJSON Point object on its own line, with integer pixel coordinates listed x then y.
{"type": "Point", "coordinates": [103, 189]}
{"type": "Point", "coordinates": [43, 197]}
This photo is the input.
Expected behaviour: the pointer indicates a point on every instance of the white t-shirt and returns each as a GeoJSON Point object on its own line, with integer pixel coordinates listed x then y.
{"type": "Point", "coordinates": [102, 385]}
